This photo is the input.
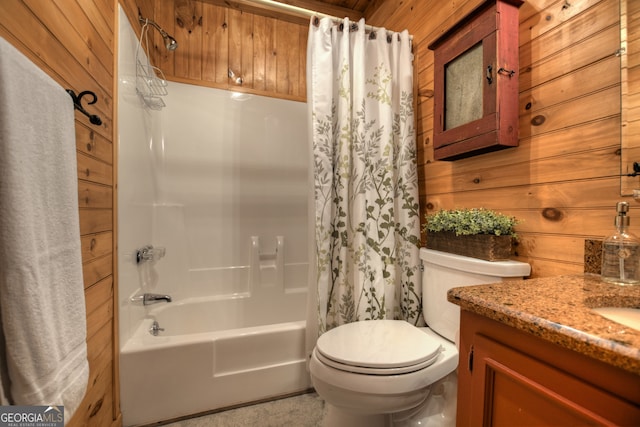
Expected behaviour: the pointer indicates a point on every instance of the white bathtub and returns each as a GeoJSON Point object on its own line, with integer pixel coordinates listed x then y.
{"type": "Point", "coordinates": [213, 353]}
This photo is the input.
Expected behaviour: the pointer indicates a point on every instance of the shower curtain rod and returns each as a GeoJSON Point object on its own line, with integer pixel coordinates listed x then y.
{"type": "Point", "coordinates": [306, 13]}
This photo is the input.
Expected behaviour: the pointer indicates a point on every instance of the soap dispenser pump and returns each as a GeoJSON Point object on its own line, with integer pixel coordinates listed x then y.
{"type": "Point", "coordinates": [621, 251]}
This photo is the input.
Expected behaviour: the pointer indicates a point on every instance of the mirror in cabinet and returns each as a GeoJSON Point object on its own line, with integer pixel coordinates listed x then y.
{"type": "Point", "coordinates": [629, 94]}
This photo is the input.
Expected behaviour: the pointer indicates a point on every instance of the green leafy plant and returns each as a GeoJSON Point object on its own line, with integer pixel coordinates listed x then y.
{"type": "Point", "coordinates": [466, 222]}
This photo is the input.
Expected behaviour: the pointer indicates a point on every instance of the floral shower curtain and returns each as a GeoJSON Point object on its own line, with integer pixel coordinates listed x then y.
{"type": "Point", "coordinates": [364, 212]}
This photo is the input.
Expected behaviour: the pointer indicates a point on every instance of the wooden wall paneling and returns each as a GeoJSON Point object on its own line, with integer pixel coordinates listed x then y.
{"type": "Point", "coordinates": [588, 79]}
{"type": "Point", "coordinates": [209, 44]}
{"type": "Point", "coordinates": [594, 106]}
{"type": "Point", "coordinates": [246, 30]}
{"type": "Point", "coordinates": [562, 194]}
{"type": "Point", "coordinates": [235, 45]}
{"type": "Point", "coordinates": [93, 170]}
{"type": "Point", "coordinates": [285, 45]}
{"type": "Point", "coordinates": [95, 220]}
{"type": "Point", "coordinates": [594, 135]}
{"type": "Point", "coordinates": [97, 269]}
{"type": "Point", "coordinates": [100, 43]}
{"type": "Point", "coordinates": [302, 61]}
{"type": "Point", "coordinates": [259, 52]}
{"type": "Point", "coordinates": [99, 317]}
{"type": "Point", "coordinates": [102, 19]}
{"type": "Point", "coordinates": [100, 356]}
{"type": "Point", "coordinates": [97, 61]}
{"type": "Point", "coordinates": [222, 46]}
{"type": "Point", "coordinates": [100, 395]}
{"type": "Point", "coordinates": [93, 144]}
{"type": "Point", "coordinates": [293, 60]}
{"type": "Point", "coordinates": [568, 249]}
{"type": "Point", "coordinates": [577, 166]}
{"type": "Point", "coordinates": [98, 297]}
{"type": "Point", "coordinates": [541, 267]}
{"type": "Point", "coordinates": [74, 43]}
{"type": "Point", "coordinates": [62, 30]}
{"type": "Point", "coordinates": [164, 15]}
{"type": "Point", "coordinates": [69, 74]}
{"type": "Point", "coordinates": [565, 221]}
{"type": "Point", "coordinates": [534, 23]}
{"type": "Point", "coordinates": [193, 43]}
{"type": "Point", "coordinates": [591, 48]}
{"type": "Point", "coordinates": [271, 57]}
{"type": "Point", "coordinates": [96, 245]}
{"type": "Point", "coordinates": [94, 196]}
{"type": "Point", "coordinates": [268, 54]}
{"type": "Point", "coordinates": [102, 310]}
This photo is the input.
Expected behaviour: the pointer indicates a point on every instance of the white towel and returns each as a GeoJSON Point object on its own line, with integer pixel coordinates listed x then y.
{"type": "Point", "coordinates": [41, 286]}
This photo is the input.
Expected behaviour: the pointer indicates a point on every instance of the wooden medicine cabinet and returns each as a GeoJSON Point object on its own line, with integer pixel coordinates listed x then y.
{"type": "Point", "coordinates": [476, 83]}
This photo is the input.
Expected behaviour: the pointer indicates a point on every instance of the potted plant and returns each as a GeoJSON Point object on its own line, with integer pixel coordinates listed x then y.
{"type": "Point", "coordinates": [476, 232]}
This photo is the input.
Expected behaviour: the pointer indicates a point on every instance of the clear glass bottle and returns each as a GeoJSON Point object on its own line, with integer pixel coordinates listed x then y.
{"type": "Point", "coordinates": [621, 251]}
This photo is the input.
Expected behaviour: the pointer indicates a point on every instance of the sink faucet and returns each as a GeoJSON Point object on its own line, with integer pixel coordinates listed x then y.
{"type": "Point", "coordinates": [154, 298]}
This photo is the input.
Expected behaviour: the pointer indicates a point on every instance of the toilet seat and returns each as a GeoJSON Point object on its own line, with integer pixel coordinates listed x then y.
{"type": "Point", "coordinates": [379, 347]}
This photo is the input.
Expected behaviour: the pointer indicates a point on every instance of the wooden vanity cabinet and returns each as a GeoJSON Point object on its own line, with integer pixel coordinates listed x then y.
{"type": "Point", "coordinates": [510, 378]}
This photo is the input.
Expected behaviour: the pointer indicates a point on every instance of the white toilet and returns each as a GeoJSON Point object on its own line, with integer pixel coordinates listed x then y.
{"type": "Point", "coordinates": [381, 372]}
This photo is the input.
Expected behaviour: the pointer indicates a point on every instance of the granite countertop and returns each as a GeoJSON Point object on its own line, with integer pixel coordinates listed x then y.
{"type": "Point", "coordinates": [558, 309]}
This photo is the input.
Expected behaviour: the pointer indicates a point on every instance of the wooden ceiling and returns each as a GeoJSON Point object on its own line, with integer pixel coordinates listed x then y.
{"type": "Point", "coordinates": [354, 9]}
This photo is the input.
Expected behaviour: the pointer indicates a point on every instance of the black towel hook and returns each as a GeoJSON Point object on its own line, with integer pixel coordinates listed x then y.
{"type": "Point", "coordinates": [77, 103]}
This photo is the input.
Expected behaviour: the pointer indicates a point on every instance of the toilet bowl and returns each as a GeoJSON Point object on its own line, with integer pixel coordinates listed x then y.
{"type": "Point", "coordinates": [377, 372]}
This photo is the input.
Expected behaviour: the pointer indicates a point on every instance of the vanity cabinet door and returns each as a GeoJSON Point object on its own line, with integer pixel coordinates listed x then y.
{"type": "Point", "coordinates": [504, 383]}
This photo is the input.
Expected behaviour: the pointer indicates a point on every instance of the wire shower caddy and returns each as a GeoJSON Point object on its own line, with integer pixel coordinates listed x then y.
{"type": "Point", "coordinates": [151, 84]}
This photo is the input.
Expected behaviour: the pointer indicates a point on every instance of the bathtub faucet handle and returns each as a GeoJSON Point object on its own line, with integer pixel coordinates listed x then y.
{"type": "Point", "coordinates": [155, 328]}
{"type": "Point", "coordinates": [149, 253]}
{"type": "Point", "coordinates": [148, 299]}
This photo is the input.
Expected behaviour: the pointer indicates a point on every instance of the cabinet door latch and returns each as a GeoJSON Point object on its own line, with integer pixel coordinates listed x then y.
{"type": "Point", "coordinates": [470, 360]}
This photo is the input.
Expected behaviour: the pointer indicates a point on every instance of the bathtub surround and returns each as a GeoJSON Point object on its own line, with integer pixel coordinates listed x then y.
{"type": "Point", "coordinates": [230, 352]}
{"type": "Point", "coordinates": [218, 180]}
{"type": "Point", "coordinates": [365, 187]}
{"type": "Point", "coordinates": [44, 352]}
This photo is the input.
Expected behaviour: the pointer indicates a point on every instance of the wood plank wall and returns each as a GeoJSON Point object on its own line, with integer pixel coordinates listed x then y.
{"type": "Point", "coordinates": [74, 43]}
{"type": "Point", "coordinates": [268, 54]}
{"type": "Point", "coordinates": [563, 181]}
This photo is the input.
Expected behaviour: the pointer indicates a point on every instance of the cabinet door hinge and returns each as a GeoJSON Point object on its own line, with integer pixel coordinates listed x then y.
{"type": "Point", "coordinates": [470, 360]}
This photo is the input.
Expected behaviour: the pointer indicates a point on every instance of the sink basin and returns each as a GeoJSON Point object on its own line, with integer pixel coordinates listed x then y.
{"type": "Point", "coordinates": [625, 316]}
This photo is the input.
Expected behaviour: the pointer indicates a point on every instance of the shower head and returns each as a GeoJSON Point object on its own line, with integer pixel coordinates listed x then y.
{"type": "Point", "coordinates": [169, 42]}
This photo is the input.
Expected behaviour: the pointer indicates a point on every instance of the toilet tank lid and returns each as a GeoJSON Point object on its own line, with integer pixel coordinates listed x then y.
{"type": "Point", "coordinates": [508, 268]}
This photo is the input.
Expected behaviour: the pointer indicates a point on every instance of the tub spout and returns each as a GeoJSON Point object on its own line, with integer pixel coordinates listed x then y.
{"type": "Point", "coordinates": [148, 299]}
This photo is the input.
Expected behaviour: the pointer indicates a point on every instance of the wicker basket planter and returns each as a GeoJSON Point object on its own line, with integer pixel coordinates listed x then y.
{"type": "Point", "coordinates": [484, 246]}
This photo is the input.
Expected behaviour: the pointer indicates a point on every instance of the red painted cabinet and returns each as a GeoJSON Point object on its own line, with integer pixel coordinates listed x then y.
{"type": "Point", "coordinates": [509, 378]}
{"type": "Point", "coordinates": [476, 83]}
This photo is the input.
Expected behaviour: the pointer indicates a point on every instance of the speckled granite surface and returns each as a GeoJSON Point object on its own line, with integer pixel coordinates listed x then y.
{"type": "Point", "coordinates": [558, 309]}
{"type": "Point", "coordinates": [592, 256]}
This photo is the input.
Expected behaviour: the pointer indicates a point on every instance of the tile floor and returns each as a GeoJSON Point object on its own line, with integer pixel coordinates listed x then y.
{"type": "Point", "coordinates": [305, 410]}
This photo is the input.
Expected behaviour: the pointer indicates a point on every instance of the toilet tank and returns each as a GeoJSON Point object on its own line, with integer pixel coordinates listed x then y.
{"type": "Point", "coordinates": [443, 271]}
